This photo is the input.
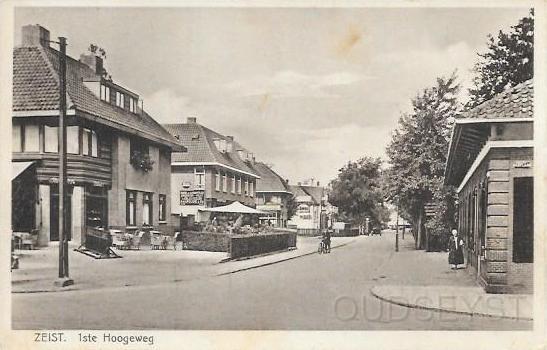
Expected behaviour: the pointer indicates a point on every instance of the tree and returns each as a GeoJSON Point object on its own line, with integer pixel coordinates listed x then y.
{"type": "Point", "coordinates": [291, 206]}
{"type": "Point", "coordinates": [508, 61]}
{"type": "Point", "coordinates": [417, 152]}
{"type": "Point", "coordinates": [357, 191]}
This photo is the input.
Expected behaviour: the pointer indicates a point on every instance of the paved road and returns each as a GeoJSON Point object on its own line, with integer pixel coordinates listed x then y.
{"type": "Point", "coordinates": [317, 292]}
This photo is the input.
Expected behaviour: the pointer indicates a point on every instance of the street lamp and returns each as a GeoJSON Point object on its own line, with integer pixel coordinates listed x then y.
{"type": "Point", "coordinates": [63, 279]}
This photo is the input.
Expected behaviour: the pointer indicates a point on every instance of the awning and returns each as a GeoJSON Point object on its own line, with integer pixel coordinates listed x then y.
{"type": "Point", "coordinates": [235, 207]}
{"type": "Point", "coordinates": [17, 168]}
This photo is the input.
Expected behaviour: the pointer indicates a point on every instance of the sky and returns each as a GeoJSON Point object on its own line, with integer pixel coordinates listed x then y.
{"type": "Point", "coordinates": [305, 89]}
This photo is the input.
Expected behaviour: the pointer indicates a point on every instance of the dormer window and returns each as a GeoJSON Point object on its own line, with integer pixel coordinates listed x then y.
{"type": "Point", "coordinates": [105, 93]}
{"type": "Point", "coordinates": [220, 145]}
{"type": "Point", "coordinates": [120, 99]}
{"type": "Point", "coordinates": [132, 105]}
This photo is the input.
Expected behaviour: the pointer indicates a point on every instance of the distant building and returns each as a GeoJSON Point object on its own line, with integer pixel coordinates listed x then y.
{"type": "Point", "coordinates": [118, 157]}
{"type": "Point", "coordinates": [272, 194]}
{"type": "Point", "coordinates": [490, 161]}
{"type": "Point", "coordinates": [215, 170]}
{"type": "Point", "coordinates": [310, 215]}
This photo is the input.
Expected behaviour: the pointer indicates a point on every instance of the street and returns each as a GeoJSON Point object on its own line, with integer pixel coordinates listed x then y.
{"type": "Point", "coordinates": [315, 292]}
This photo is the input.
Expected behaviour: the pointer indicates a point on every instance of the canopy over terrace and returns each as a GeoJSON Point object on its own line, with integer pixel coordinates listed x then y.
{"type": "Point", "coordinates": [235, 207]}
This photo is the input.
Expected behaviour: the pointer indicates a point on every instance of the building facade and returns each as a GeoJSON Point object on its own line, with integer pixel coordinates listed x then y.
{"type": "Point", "coordinates": [272, 196]}
{"type": "Point", "coordinates": [310, 215]}
{"type": "Point", "coordinates": [490, 161]}
{"type": "Point", "coordinates": [118, 157]}
{"type": "Point", "coordinates": [215, 170]}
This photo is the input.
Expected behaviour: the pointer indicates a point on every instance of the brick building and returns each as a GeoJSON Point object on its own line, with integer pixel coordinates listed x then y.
{"type": "Point", "coordinates": [215, 170]}
{"type": "Point", "coordinates": [490, 161]}
{"type": "Point", "coordinates": [272, 194]}
{"type": "Point", "coordinates": [108, 138]}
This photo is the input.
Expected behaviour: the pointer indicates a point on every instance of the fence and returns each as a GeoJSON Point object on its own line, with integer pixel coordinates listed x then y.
{"type": "Point", "coordinates": [249, 245]}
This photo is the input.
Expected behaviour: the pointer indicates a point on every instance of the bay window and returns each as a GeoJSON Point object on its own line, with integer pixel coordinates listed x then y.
{"type": "Point", "coordinates": [51, 139]}
{"type": "Point", "coordinates": [73, 139]}
{"type": "Point", "coordinates": [16, 138]}
{"type": "Point", "coordinates": [31, 139]}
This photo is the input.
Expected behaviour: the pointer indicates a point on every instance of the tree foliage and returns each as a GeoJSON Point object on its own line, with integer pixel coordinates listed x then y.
{"type": "Point", "coordinates": [357, 191]}
{"type": "Point", "coordinates": [291, 206]}
{"type": "Point", "coordinates": [508, 61]}
{"type": "Point", "coordinates": [417, 151]}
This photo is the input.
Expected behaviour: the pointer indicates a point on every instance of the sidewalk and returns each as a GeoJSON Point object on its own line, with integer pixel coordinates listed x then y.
{"type": "Point", "coordinates": [38, 268]}
{"type": "Point", "coordinates": [418, 279]}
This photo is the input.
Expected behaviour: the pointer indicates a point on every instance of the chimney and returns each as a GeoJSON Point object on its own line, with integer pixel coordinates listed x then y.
{"type": "Point", "coordinates": [92, 61]}
{"type": "Point", "coordinates": [35, 35]}
{"type": "Point", "coordinates": [191, 120]}
{"type": "Point", "coordinates": [230, 143]}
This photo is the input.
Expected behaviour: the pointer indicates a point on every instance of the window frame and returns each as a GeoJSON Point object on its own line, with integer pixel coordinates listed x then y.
{"type": "Point", "coordinates": [199, 174]}
{"type": "Point", "coordinates": [217, 181]}
{"type": "Point", "coordinates": [130, 199]}
{"type": "Point", "coordinates": [162, 207]}
{"type": "Point", "coordinates": [148, 198]}
{"type": "Point", "coordinates": [225, 182]}
{"type": "Point", "coordinates": [105, 93]}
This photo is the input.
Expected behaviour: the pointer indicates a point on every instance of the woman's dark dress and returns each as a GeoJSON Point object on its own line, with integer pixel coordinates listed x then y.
{"type": "Point", "coordinates": [455, 255]}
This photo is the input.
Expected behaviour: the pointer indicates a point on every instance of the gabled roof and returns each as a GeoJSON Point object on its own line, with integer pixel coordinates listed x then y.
{"type": "Point", "coordinates": [269, 180]}
{"type": "Point", "coordinates": [36, 89]}
{"type": "Point", "coordinates": [315, 192]}
{"type": "Point", "coordinates": [199, 142]}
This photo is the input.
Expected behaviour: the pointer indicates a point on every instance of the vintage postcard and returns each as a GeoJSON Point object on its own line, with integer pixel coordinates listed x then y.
{"type": "Point", "coordinates": [176, 170]}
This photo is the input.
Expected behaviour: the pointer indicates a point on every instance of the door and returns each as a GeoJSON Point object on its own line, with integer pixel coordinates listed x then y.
{"type": "Point", "coordinates": [523, 220]}
{"type": "Point", "coordinates": [54, 214]}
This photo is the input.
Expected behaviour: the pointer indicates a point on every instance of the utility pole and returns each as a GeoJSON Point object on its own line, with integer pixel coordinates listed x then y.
{"type": "Point", "coordinates": [64, 279]}
{"type": "Point", "coordinates": [397, 229]}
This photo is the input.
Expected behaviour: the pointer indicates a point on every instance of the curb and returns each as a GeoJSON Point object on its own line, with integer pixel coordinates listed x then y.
{"type": "Point", "coordinates": [278, 261]}
{"type": "Point", "coordinates": [437, 309]}
{"type": "Point", "coordinates": [169, 282]}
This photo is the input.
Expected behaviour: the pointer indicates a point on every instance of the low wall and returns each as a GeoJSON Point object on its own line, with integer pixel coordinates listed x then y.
{"type": "Point", "coordinates": [208, 241]}
{"type": "Point", "coordinates": [249, 245]}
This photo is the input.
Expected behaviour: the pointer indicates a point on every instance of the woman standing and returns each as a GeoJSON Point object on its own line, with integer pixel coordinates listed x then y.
{"type": "Point", "coordinates": [455, 248]}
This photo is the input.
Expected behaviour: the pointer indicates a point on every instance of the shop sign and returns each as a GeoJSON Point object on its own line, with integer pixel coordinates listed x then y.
{"type": "Point", "coordinates": [192, 197]}
{"type": "Point", "coordinates": [522, 164]}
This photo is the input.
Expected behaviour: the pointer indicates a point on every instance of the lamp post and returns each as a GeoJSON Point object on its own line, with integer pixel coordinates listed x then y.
{"type": "Point", "coordinates": [397, 229]}
{"type": "Point", "coordinates": [64, 279]}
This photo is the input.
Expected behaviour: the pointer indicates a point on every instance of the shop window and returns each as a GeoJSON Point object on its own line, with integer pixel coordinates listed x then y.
{"type": "Point", "coordinates": [51, 139]}
{"type": "Point", "coordinates": [147, 209]}
{"type": "Point", "coordinates": [96, 207]}
{"type": "Point", "coordinates": [16, 139]}
{"type": "Point", "coordinates": [523, 220]}
{"type": "Point", "coordinates": [162, 207]}
{"type": "Point", "coordinates": [32, 138]}
{"type": "Point", "coordinates": [131, 208]}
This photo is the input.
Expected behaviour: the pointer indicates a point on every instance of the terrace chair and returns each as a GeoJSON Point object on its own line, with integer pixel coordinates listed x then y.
{"type": "Point", "coordinates": [137, 239]}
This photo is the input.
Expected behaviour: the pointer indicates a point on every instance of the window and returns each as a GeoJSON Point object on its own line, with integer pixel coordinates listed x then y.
{"type": "Point", "coordinates": [233, 184]}
{"type": "Point", "coordinates": [51, 139]}
{"type": "Point", "coordinates": [147, 209]}
{"type": "Point", "coordinates": [120, 99]}
{"type": "Point", "coordinates": [89, 143]}
{"type": "Point", "coordinates": [73, 139]}
{"type": "Point", "coordinates": [199, 178]}
{"type": "Point", "coordinates": [523, 220]}
{"type": "Point", "coordinates": [238, 185]}
{"type": "Point", "coordinates": [105, 93]}
{"type": "Point", "coordinates": [132, 105]}
{"type": "Point", "coordinates": [131, 208]}
{"type": "Point", "coordinates": [246, 187]}
{"type": "Point", "coordinates": [225, 182]}
{"type": "Point", "coordinates": [162, 207]}
{"type": "Point", "coordinates": [16, 138]}
{"type": "Point", "coordinates": [217, 181]}
{"type": "Point", "coordinates": [32, 138]}
{"type": "Point", "coordinates": [220, 144]}
{"type": "Point", "coordinates": [251, 189]}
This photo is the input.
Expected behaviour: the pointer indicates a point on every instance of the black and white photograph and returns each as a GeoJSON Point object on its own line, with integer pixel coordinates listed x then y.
{"type": "Point", "coordinates": [251, 167]}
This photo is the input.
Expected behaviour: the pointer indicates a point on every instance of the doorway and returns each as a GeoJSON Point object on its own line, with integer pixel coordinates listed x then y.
{"type": "Point", "coordinates": [54, 213]}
